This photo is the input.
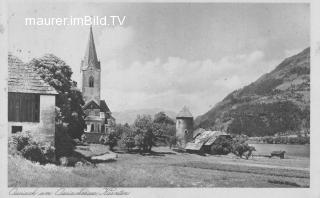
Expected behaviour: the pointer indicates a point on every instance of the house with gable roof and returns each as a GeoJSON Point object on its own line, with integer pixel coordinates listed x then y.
{"type": "Point", "coordinates": [31, 101]}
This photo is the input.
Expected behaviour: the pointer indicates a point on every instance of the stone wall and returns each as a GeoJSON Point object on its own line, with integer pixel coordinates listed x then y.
{"type": "Point", "coordinates": [184, 125]}
{"type": "Point", "coordinates": [43, 130]}
{"type": "Point", "coordinates": [91, 93]}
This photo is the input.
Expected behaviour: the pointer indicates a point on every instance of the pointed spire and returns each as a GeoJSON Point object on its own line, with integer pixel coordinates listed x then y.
{"type": "Point", "coordinates": [184, 113]}
{"type": "Point", "coordinates": [90, 57]}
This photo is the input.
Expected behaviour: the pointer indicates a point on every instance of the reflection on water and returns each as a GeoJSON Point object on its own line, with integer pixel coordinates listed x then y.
{"type": "Point", "coordinates": [291, 150]}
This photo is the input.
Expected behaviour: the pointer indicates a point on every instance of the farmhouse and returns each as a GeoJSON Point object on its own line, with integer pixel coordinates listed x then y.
{"type": "Point", "coordinates": [31, 101]}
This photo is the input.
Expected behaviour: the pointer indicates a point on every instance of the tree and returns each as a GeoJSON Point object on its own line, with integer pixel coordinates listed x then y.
{"type": "Point", "coordinates": [58, 74]}
{"type": "Point", "coordinates": [162, 118]}
{"type": "Point", "coordinates": [144, 132]}
{"type": "Point", "coordinates": [143, 122]}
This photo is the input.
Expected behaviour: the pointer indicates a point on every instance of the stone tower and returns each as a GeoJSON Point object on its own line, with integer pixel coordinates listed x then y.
{"type": "Point", "coordinates": [184, 127]}
{"type": "Point", "coordinates": [91, 72]}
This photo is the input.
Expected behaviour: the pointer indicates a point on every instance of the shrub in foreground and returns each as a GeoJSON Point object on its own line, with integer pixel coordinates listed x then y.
{"type": "Point", "coordinates": [18, 141]}
{"type": "Point", "coordinates": [33, 153]}
{"type": "Point", "coordinates": [23, 144]}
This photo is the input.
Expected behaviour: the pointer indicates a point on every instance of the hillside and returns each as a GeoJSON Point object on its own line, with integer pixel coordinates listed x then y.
{"type": "Point", "coordinates": [128, 116]}
{"type": "Point", "coordinates": [278, 102]}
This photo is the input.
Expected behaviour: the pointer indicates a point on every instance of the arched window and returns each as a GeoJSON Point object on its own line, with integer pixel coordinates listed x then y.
{"type": "Point", "coordinates": [91, 81]}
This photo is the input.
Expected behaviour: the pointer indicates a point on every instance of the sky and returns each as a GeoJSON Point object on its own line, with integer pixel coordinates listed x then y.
{"type": "Point", "coordinates": [167, 55]}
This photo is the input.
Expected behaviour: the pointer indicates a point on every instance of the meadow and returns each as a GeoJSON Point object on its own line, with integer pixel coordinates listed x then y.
{"type": "Point", "coordinates": [292, 150]}
{"type": "Point", "coordinates": [165, 168]}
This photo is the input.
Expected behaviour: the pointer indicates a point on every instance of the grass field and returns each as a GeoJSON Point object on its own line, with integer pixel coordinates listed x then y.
{"type": "Point", "coordinates": [165, 168]}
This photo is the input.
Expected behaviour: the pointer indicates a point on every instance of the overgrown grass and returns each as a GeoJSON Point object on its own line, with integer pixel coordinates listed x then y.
{"type": "Point", "coordinates": [166, 169]}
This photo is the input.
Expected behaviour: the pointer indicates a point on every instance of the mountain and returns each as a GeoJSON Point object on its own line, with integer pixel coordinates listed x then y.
{"type": "Point", "coordinates": [278, 102]}
{"type": "Point", "coordinates": [128, 116]}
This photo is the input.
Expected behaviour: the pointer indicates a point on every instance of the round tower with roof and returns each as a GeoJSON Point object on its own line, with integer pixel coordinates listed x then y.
{"type": "Point", "coordinates": [184, 127]}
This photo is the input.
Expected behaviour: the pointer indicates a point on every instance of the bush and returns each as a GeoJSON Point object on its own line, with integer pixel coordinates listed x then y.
{"type": "Point", "coordinates": [222, 146]}
{"type": "Point", "coordinates": [49, 153]}
{"type": "Point", "coordinates": [110, 139]}
{"type": "Point", "coordinates": [63, 143]}
{"type": "Point", "coordinates": [240, 149]}
{"type": "Point", "coordinates": [18, 141]}
{"type": "Point", "coordinates": [172, 141]}
{"type": "Point", "coordinates": [23, 144]}
{"type": "Point", "coordinates": [127, 142]}
{"type": "Point", "coordinates": [33, 153]}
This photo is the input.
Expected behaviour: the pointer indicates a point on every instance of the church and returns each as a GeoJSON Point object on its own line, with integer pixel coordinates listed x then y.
{"type": "Point", "coordinates": [98, 115]}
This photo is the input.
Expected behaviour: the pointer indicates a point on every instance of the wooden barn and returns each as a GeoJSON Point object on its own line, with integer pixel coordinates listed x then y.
{"type": "Point", "coordinates": [204, 140]}
{"type": "Point", "coordinates": [31, 101]}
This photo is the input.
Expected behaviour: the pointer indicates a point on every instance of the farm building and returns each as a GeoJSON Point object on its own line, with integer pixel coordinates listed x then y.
{"type": "Point", "coordinates": [197, 132]}
{"type": "Point", "coordinates": [31, 101]}
{"type": "Point", "coordinates": [204, 141]}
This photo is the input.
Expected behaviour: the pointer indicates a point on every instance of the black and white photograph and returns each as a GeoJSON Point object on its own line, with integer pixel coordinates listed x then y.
{"type": "Point", "coordinates": [179, 95]}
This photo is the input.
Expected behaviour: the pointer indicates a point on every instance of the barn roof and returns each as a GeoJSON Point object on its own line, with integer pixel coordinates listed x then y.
{"type": "Point", "coordinates": [205, 138]}
{"type": "Point", "coordinates": [197, 132]}
{"type": "Point", "coordinates": [184, 113]}
{"type": "Point", "coordinates": [23, 78]}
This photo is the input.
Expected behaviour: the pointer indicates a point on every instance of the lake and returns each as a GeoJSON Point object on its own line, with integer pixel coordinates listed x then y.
{"type": "Point", "coordinates": [291, 150]}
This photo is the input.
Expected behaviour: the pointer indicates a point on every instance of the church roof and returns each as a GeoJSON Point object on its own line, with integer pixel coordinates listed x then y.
{"type": "Point", "coordinates": [184, 113]}
{"type": "Point", "coordinates": [24, 79]}
{"type": "Point", "coordinates": [103, 106]}
{"type": "Point", "coordinates": [90, 57]}
{"type": "Point", "coordinates": [93, 105]}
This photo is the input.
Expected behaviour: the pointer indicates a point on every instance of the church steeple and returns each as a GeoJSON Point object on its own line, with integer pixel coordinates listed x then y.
{"type": "Point", "coordinates": [91, 73]}
{"type": "Point", "coordinates": [90, 57]}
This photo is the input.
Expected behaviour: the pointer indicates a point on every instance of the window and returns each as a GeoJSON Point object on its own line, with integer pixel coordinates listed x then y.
{"type": "Point", "coordinates": [91, 81]}
{"type": "Point", "coordinates": [23, 107]}
{"type": "Point", "coordinates": [15, 129]}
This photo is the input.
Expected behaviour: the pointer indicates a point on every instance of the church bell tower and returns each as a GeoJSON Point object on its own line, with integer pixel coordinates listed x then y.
{"type": "Point", "coordinates": [91, 73]}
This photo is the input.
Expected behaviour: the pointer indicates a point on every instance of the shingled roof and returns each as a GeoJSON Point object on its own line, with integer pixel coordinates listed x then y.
{"type": "Point", "coordinates": [184, 113]}
{"type": "Point", "coordinates": [206, 138]}
{"type": "Point", "coordinates": [24, 79]}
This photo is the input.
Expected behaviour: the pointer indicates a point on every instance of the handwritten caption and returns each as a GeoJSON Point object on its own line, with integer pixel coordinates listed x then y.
{"type": "Point", "coordinates": [67, 191]}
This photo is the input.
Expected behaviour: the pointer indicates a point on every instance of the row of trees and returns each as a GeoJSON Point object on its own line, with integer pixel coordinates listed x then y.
{"type": "Point", "coordinates": [145, 132]}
